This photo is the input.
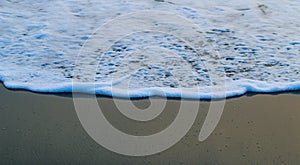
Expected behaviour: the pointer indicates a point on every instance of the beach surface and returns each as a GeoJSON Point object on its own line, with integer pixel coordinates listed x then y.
{"type": "Point", "coordinates": [44, 129]}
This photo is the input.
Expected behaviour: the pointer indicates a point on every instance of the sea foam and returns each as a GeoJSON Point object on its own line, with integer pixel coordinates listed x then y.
{"type": "Point", "coordinates": [258, 46]}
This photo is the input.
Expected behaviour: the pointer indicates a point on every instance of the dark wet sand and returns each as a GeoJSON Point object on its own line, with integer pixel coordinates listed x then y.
{"type": "Point", "coordinates": [44, 129]}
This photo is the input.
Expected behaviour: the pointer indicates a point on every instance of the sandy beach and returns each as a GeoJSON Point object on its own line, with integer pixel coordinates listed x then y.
{"type": "Point", "coordinates": [44, 129]}
{"type": "Point", "coordinates": [185, 51]}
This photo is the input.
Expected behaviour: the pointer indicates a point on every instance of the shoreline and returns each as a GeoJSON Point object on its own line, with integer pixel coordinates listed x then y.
{"type": "Point", "coordinates": [39, 128]}
{"type": "Point", "coordinates": [69, 94]}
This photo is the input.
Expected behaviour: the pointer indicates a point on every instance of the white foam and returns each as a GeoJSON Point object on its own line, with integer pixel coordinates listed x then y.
{"type": "Point", "coordinates": [259, 45]}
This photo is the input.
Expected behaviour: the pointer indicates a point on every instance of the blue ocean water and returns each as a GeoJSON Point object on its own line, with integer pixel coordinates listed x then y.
{"type": "Point", "coordinates": [257, 42]}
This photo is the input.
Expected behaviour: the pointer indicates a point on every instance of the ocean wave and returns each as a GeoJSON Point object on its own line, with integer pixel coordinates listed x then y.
{"type": "Point", "coordinates": [258, 46]}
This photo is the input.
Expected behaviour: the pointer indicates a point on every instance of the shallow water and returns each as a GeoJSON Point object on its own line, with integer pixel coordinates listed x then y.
{"type": "Point", "coordinates": [256, 48]}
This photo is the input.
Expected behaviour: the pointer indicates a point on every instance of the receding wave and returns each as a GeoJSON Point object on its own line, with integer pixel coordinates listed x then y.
{"type": "Point", "coordinates": [258, 46]}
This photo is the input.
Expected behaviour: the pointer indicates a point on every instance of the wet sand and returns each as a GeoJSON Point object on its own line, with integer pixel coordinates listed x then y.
{"type": "Point", "coordinates": [44, 129]}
